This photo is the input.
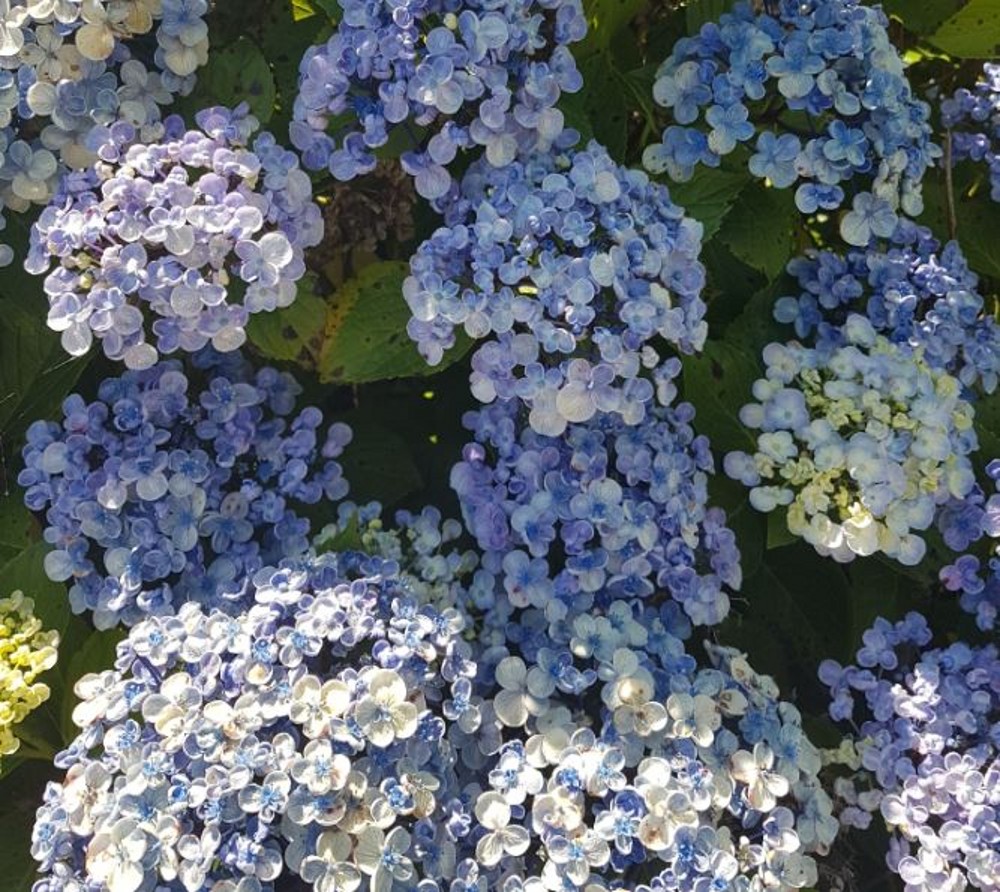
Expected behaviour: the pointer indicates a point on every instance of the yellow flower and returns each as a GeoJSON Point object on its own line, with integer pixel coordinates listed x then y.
{"type": "Point", "coordinates": [26, 651]}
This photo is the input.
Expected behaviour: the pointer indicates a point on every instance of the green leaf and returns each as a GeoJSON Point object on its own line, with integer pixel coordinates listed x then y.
{"type": "Point", "coordinates": [778, 533]}
{"type": "Point", "coordinates": [701, 11]}
{"type": "Point", "coordinates": [987, 424]}
{"type": "Point", "coordinates": [921, 16]}
{"type": "Point", "coordinates": [365, 337]}
{"type": "Point", "coordinates": [348, 538]}
{"type": "Point", "coordinates": [760, 228]}
{"type": "Point", "coordinates": [756, 326]}
{"type": "Point", "coordinates": [238, 72]}
{"type": "Point", "coordinates": [973, 32]}
{"type": "Point", "coordinates": [26, 573]}
{"type": "Point", "coordinates": [605, 18]}
{"type": "Point", "coordinates": [603, 98]}
{"type": "Point", "coordinates": [35, 372]}
{"type": "Point", "coordinates": [293, 333]}
{"type": "Point", "coordinates": [15, 520]}
{"type": "Point", "coordinates": [709, 196]}
{"type": "Point", "coordinates": [377, 463]}
{"type": "Point", "coordinates": [976, 214]}
{"type": "Point", "coordinates": [717, 382]}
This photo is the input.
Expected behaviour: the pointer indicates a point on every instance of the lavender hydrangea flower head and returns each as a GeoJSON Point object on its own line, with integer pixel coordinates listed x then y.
{"type": "Point", "coordinates": [307, 737]}
{"type": "Point", "coordinates": [743, 79]}
{"type": "Point", "coordinates": [576, 267]}
{"type": "Point", "coordinates": [66, 68]}
{"type": "Point", "coordinates": [173, 246]}
{"type": "Point", "coordinates": [176, 486]}
{"type": "Point", "coordinates": [927, 732]}
{"type": "Point", "coordinates": [914, 292]}
{"type": "Point", "coordinates": [863, 443]}
{"type": "Point", "coordinates": [474, 73]}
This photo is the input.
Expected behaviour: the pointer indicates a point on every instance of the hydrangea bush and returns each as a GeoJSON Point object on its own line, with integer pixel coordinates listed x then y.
{"type": "Point", "coordinates": [545, 647]}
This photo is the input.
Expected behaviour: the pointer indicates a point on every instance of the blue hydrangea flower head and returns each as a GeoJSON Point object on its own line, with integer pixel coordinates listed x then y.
{"type": "Point", "coordinates": [926, 757]}
{"type": "Point", "coordinates": [913, 291]}
{"type": "Point", "coordinates": [608, 509]}
{"type": "Point", "coordinates": [470, 74]}
{"type": "Point", "coordinates": [306, 737]}
{"type": "Point", "coordinates": [973, 119]}
{"type": "Point", "coordinates": [862, 443]}
{"type": "Point", "coordinates": [176, 485]}
{"type": "Point", "coordinates": [752, 78]}
{"type": "Point", "coordinates": [66, 68]}
{"type": "Point", "coordinates": [576, 267]}
{"type": "Point", "coordinates": [617, 758]}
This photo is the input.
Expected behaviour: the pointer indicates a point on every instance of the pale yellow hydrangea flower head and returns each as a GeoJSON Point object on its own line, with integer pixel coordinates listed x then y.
{"type": "Point", "coordinates": [26, 651]}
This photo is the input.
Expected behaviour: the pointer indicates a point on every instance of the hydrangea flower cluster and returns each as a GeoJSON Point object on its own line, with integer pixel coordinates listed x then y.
{"type": "Point", "coordinates": [575, 265]}
{"type": "Point", "coordinates": [617, 762]}
{"type": "Point", "coordinates": [977, 113]}
{"type": "Point", "coordinates": [67, 67]}
{"type": "Point", "coordinates": [26, 651]}
{"type": "Point", "coordinates": [421, 545]}
{"type": "Point", "coordinates": [972, 526]}
{"type": "Point", "coordinates": [929, 744]}
{"type": "Point", "coordinates": [863, 443]}
{"type": "Point", "coordinates": [913, 292]}
{"type": "Point", "coordinates": [608, 510]}
{"type": "Point", "coordinates": [819, 90]}
{"type": "Point", "coordinates": [476, 72]}
{"type": "Point", "coordinates": [167, 489]}
{"type": "Point", "coordinates": [196, 232]}
{"type": "Point", "coordinates": [307, 737]}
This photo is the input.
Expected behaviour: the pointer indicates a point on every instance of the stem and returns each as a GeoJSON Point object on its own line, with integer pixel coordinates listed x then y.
{"type": "Point", "coordinates": [949, 186]}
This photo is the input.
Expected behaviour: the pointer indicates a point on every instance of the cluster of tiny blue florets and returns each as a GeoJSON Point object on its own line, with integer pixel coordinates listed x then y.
{"type": "Point", "coordinates": [615, 760]}
{"type": "Point", "coordinates": [913, 292]}
{"type": "Point", "coordinates": [153, 243]}
{"type": "Point", "coordinates": [576, 267]}
{"type": "Point", "coordinates": [971, 526]}
{"type": "Point", "coordinates": [468, 74]}
{"type": "Point", "coordinates": [609, 509]}
{"type": "Point", "coordinates": [973, 119]}
{"type": "Point", "coordinates": [177, 485]}
{"type": "Point", "coordinates": [927, 738]}
{"type": "Point", "coordinates": [819, 90]}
